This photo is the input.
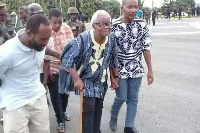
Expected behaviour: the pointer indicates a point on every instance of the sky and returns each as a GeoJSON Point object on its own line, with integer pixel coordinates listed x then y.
{"type": "Point", "coordinates": [157, 3]}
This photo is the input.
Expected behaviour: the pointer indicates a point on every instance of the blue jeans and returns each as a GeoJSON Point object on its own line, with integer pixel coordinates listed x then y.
{"type": "Point", "coordinates": [127, 92]}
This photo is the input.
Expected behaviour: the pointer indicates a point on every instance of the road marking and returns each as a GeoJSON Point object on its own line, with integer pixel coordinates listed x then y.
{"type": "Point", "coordinates": [179, 33]}
{"type": "Point", "coordinates": [196, 25]}
{"type": "Point", "coordinates": [149, 27]}
{"type": "Point", "coordinates": [169, 27]}
{"type": "Point", "coordinates": [160, 23]}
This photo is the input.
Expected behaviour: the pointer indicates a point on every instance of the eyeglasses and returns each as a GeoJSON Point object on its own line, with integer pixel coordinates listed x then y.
{"type": "Point", "coordinates": [103, 25]}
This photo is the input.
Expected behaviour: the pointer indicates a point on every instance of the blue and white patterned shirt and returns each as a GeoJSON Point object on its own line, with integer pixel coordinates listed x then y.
{"type": "Point", "coordinates": [132, 40]}
{"type": "Point", "coordinates": [91, 60]}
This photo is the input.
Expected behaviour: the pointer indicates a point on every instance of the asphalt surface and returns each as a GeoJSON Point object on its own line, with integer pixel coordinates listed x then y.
{"type": "Point", "coordinates": [172, 103]}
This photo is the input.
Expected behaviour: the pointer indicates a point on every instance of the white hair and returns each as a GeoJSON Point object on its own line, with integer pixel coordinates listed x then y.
{"type": "Point", "coordinates": [97, 13]}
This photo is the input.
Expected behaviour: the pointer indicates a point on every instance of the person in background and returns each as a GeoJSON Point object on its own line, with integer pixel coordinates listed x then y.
{"type": "Point", "coordinates": [168, 12]}
{"type": "Point", "coordinates": [23, 16]}
{"type": "Point", "coordinates": [154, 17]}
{"type": "Point", "coordinates": [76, 25]}
{"type": "Point", "coordinates": [61, 35]}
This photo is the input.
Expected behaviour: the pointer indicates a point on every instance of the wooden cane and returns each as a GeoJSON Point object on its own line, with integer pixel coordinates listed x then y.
{"type": "Point", "coordinates": [81, 113]}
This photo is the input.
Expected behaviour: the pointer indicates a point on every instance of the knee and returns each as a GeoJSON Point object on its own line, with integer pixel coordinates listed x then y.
{"type": "Point", "coordinates": [132, 101]}
{"type": "Point", "coordinates": [121, 99]}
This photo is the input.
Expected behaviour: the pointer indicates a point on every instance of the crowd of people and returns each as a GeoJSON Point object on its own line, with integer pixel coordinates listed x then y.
{"type": "Point", "coordinates": [40, 54]}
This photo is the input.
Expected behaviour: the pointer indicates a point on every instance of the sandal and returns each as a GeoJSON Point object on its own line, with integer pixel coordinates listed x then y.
{"type": "Point", "coordinates": [61, 127]}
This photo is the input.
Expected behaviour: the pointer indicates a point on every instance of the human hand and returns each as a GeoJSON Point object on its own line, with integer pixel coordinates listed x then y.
{"type": "Point", "coordinates": [114, 83]}
{"type": "Point", "coordinates": [78, 84]}
{"type": "Point", "coordinates": [150, 77]}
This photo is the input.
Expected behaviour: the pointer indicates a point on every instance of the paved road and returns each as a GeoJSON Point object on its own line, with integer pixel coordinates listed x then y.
{"type": "Point", "coordinates": [172, 103]}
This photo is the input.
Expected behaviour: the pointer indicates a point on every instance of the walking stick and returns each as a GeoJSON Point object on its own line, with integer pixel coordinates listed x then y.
{"type": "Point", "coordinates": [81, 113]}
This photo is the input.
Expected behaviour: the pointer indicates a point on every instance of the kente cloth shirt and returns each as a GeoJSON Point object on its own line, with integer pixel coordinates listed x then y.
{"type": "Point", "coordinates": [91, 60]}
{"type": "Point", "coordinates": [132, 40]}
{"type": "Point", "coordinates": [60, 39]}
{"type": "Point", "coordinates": [19, 72]}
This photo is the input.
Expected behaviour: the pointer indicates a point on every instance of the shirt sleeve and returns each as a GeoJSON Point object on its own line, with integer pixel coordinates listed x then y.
{"type": "Point", "coordinates": [69, 32]}
{"type": "Point", "coordinates": [114, 57]}
{"type": "Point", "coordinates": [4, 64]}
{"type": "Point", "coordinates": [72, 53]}
{"type": "Point", "coordinates": [50, 46]}
{"type": "Point", "coordinates": [146, 41]}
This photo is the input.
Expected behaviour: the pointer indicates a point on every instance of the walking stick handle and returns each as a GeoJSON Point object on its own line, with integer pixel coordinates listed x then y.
{"type": "Point", "coordinates": [81, 112]}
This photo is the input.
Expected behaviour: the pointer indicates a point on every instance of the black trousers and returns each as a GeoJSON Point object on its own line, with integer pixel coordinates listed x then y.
{"type": "Point", "coordinates": [59, 101]}
{"type": "Point", "coordinates": [154, 21]}
{"type": "Point", "coordinates": [92, 112]}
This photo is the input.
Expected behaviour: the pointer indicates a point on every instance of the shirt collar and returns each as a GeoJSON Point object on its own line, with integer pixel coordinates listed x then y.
{"type": "Point", "coordinates": [20, 45]}
{"type": "Point", "coordinates": [61, 30]}
{"type": "Point", "coordinates": [95, 43]}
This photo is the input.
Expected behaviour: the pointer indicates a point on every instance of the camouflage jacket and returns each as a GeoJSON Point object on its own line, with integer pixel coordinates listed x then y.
{"type": "Point", "coordinates": [6, 31]}
{"type": "Point", "coordinates": [77, 27]}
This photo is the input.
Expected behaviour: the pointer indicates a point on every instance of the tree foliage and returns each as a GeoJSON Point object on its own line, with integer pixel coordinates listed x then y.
{"type": "Point", "coordinates": [184, 4]}
{"type": "Point", "coordinates": [113, 7]}
{"type": "Point", "coordinates": [88, 7]}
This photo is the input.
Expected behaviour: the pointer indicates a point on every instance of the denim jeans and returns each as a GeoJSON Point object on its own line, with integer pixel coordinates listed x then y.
{"type": "Point", "coordinates": [59, 101]}
{"type": "Point", "coordinates": [92, 112]}
{"type": "Point", "coordinates": [127, 92]}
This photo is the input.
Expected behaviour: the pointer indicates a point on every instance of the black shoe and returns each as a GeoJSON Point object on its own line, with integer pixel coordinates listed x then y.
{"type": "Point", "coordinates": [130, 130]}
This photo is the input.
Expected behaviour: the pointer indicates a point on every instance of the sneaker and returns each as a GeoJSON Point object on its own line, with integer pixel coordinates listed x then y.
{"type": "Point", "coordinates": [61, 127]}
{"type": "Point", "coordinates": [113, 124]}
{"type": "Point", "coordinates": [130, 130]}
{"type": "Point", "coordinates": [67, 117]}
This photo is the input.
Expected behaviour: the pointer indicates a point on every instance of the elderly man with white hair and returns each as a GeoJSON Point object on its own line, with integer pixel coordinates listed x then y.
{"type": "Point", "coordinates": [87, 58]}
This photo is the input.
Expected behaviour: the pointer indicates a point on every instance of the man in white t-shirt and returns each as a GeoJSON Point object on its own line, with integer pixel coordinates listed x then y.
{"type": "Point", "coordinates": [24, 99]}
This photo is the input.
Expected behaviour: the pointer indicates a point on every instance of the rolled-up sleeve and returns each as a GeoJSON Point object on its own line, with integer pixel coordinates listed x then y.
{"type": "Point", "coordinates": [71, 53]}
{"type": "Point", "coordinates": [146, 41]}
{"type": "Point", "coordinates": [50, 46]}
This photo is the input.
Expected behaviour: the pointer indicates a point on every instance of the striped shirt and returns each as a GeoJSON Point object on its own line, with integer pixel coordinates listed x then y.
{"type": "Point", "coordinates": [132, 40]}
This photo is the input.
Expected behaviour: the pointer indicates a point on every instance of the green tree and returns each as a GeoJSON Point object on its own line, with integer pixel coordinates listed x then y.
{"type": "Point", "coordinates": [113, 7]}
{"type": "Point", "coordinates": [88, 7]}
{"type": "Point", "coordinates": [185, 4]}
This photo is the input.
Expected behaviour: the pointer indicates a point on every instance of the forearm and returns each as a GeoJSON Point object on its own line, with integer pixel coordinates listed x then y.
{"type": "Point", "coordinates": [46, 69]}
{"type": "Point", "coordinates": [147, 57]}
{"type": "Point", "coordinates": [52, 53]}
{"type": "Point", "coordinates": [73, 73]}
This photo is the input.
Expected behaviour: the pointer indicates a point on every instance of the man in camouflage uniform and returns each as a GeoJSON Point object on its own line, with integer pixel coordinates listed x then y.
{"type": "Point", "coordinates": [76, 25]}
{"type": "Point", "coordinates": [6, 28]}
{"type": "Point", "coordinates": [148, 16]}
{"type": "Point", "coordinates": [25, 12]}
{"type": "Point", "coordinates": [23, 16]}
